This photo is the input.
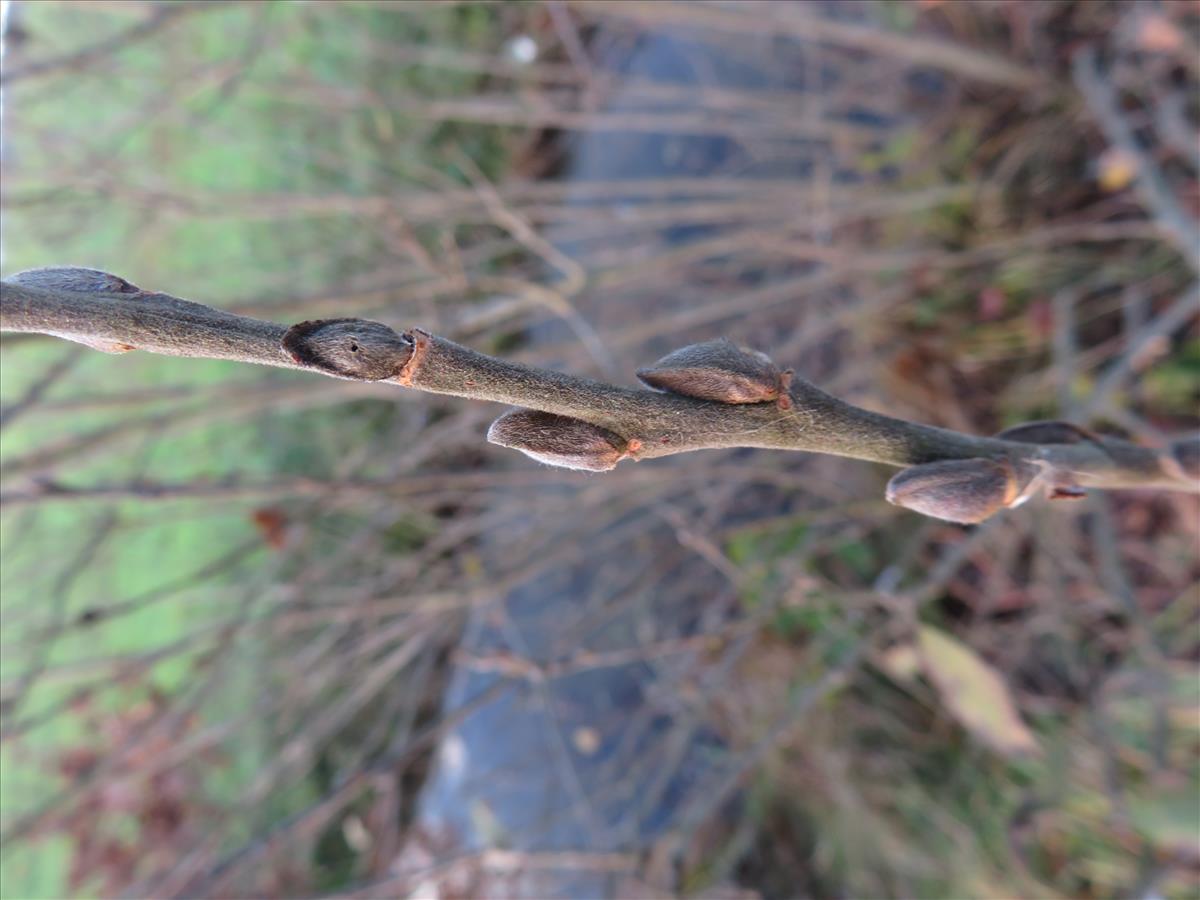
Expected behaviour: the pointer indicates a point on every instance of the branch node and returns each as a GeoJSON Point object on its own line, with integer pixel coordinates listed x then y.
{"type": "Point", "coordinates": [420, 341]}
{"type": "Point", "coordinates": [785, 388]}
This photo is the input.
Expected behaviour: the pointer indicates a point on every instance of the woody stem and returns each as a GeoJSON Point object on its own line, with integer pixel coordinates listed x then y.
{"type": "Point", "coordinates": [663, 423]}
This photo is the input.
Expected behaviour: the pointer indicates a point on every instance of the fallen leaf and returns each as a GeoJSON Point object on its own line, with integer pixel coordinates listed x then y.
{"type": "Point", "coordinates": [974, 693]}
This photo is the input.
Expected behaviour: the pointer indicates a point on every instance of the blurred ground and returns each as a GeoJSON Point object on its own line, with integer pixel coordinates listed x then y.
{"type": "Point", "coordinates": [266, 634]}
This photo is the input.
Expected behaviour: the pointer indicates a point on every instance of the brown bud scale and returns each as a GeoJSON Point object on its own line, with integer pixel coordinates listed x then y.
{"type": "Point", "coordinates": [350, 348]}
{"type": "Point", "coordinates": [559, 440]}
{"type": "Point", "coordinates": [78, 279]}
{"type": "Point", "coordinates": [957, 490]}
{"type": "Point", "coordinates": [718, 370]}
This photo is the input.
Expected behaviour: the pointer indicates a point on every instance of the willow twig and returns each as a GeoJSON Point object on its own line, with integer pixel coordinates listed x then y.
{"type": "Point", "coordinates": [626, 423]}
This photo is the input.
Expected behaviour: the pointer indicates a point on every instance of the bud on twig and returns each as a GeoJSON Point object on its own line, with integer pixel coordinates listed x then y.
{"type": "Point", "coordinates": [351, 348]}
{"type": "Point", "coordinates": [1050, 431]}
{"type": "Point", "coordinates": [957, 490]}
{"type": "Point", "coordinates": [559, 440]}
{"type": "Point", "coordinates": [74, 278]}
{"type": "Point", "coordinates": [79, 280]}
{"type": "Point", "coordinates": [719, 370]}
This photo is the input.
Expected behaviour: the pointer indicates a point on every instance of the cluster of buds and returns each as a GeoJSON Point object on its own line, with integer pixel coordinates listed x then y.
{"type": "Point", "coordinates": [717, 370]}
{"type": "Point", "coordinates": [968, 491]}
{"type": "Point", "coordinates": [965, 491]}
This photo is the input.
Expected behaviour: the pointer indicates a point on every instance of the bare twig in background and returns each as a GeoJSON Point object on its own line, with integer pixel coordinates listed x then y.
{"type": "Point", "coordinates": [1104, 104]}
{"type": "Point", "coordinates": [1182, 310]}
{"type": "Point", "coordinates": [773, 18]}
{"type": "Point", "coordinates": [33, 395]}
{"type": "Point", "coordinates": [156, 19]}
{"type": "Point", "coordinates": [11, 700]}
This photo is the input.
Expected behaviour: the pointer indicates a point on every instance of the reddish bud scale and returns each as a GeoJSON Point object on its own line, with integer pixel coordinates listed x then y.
{"type": "Point", "coordinates": [559, 440]}
{"type": "Point", "coordinates": [718, 370]}
{"type": "Point", "coordinates": [957, 490]}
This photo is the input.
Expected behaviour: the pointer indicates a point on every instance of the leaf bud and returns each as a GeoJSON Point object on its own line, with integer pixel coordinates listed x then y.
{"type": "Point", "coordinates": [956, 490]}
{"type": "Point", "coordinates": [349, 348]}
{"type": "Point", "coordinates": [77, 279]}
{"type": "Point", "coordinates": [718, 370]}
{"type": "Point", "coordinates": [1050, 431]}
{"type": "Point", "coordinates": [559, 440]}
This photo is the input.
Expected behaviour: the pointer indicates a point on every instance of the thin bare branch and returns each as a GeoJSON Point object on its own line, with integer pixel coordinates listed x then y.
{"type": "Point", "coordinates": [1104, 105]}
{"type": "Point", "coordinates": [804, 22]}
{"type": "Point", "coordinates": [158, 18]}
{"type": "Point", "coordinates": [33, 395]}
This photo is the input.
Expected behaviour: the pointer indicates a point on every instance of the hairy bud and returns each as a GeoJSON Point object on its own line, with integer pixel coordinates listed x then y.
{"type": "Point", "coordinates": [559, 440]}
{"type": "Point", "coordinates": [1047, 432]}
{"type": "Point", "coordinates": [956, 490]}
{"type": "Point", "coordinates": [79, 280]}
{"type": "Point", "coordinates": [719, 370]}
{"type": "Point", "coordinates": [73, 278]}
{"type": "Point", "coordinates": [350, 348]}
